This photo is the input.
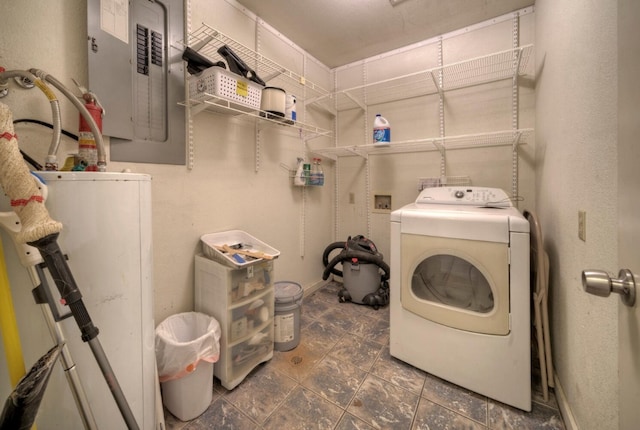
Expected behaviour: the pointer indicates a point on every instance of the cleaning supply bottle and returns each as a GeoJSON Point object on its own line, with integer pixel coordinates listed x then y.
{"type": "Point", "coordinates": [320, 172]}
{"type": "Point", "coordinates": [317, 175]}
{"type": "Point", "coordinates": [299, 178]}
{"type": "Point", "coordinates": [306, 167]}
{"type": "Point", "coordinates": [381, 131]}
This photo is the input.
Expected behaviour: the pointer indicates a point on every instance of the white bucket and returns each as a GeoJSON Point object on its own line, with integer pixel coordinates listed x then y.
{"type": "Point", "coordinates": [286, 321]}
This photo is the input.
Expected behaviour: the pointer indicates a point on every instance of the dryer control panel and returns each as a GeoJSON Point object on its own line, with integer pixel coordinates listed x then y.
{"type": "Point", "coordinates": [476, 196]}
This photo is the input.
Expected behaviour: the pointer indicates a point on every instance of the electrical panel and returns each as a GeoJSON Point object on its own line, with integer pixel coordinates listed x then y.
{"type": "Point", "coordinates": [136, 71]}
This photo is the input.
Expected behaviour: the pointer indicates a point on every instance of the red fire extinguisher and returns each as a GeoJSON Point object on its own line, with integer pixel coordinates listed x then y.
{"type": "Point", "coordinates": [87, 149]}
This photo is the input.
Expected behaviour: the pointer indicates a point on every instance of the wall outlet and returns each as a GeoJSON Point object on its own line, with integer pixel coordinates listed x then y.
{"type": "Point", "coordinates": [582, 225]}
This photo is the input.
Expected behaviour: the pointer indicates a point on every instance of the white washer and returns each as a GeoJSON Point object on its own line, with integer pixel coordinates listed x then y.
{"type": "Point", "coordinates": [460, 291]}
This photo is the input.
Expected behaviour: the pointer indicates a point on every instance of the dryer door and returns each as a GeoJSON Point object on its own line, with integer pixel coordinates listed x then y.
{"type": "Point", "coordinates": [459, 283]}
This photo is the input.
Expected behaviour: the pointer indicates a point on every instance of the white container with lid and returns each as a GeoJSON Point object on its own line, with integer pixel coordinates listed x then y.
{"type": "Point", "coordinates": [381, 131]}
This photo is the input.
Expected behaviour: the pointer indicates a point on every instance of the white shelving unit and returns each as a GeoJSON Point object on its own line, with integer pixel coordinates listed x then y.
{"type": "Point", "coordinates": [242, 301]}
{"type": "Point", "coordinates": [206, 41]}
{"type": "Point", "coordinates": [511, 138]}
{"type": "Point", "coordinates": [476, 71]}
{"type": "Point", "coordinates": [438, 80]}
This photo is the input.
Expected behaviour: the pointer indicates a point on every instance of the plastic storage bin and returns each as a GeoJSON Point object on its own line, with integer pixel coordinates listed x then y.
{"type": "Point", "coordinates": [242, 300]}
{"type": "Point", "coordinates": [239, 240]}
{"type": "Point", "coordinates": [232, 90]}
{"type": "Point", "coordinates": [187, 345]}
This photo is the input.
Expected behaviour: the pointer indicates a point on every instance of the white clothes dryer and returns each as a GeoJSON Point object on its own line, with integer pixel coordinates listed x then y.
{"type": "Point", "coordinates": [460, 291]}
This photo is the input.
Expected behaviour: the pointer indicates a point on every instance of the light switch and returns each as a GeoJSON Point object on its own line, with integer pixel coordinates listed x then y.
{"type": "Point", "coordinates": [582, 225]}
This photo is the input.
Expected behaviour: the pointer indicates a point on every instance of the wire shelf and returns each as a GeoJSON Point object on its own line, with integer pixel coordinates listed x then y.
{"type": "Point", "coordinates": [480, 70]}
{"type": "Point", "coordinates": [217, 104]}
{"type": "Point", "coordinates": [512, 138]}
{"type": "Point", "coordinates": [207, 40]}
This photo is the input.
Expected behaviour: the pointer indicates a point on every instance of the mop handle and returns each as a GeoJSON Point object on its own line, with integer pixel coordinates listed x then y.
{"type": "Point", "coordinates": [70, 295]}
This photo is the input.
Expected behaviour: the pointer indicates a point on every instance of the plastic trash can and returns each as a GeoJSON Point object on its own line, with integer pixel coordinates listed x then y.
{"type": "Point", "coordinates": [187, 345]}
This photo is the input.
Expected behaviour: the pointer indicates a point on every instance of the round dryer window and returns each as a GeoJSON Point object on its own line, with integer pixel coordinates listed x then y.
{"type": "Point", "coordinates": [452, 281]}
{"type": "Point", "coordinates": [460, 283]}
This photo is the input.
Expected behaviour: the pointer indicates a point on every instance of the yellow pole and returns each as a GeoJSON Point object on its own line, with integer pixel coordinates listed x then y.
{"type": "Point", "coordinates": [9, 327]}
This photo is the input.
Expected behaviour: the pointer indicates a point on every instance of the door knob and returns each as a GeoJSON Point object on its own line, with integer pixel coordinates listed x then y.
{"type": "Point", "coordinates": [599, 283]}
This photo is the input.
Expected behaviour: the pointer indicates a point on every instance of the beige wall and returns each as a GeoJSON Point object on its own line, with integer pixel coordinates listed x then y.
{"type": "Point", "coordinates": [574, 168]}
{"type": "Point", "coordinates": [467, 111]}
{"type": "Point", "coordinates": [239, 179]}
{"type": "Point", "coordinates": [576, 134]}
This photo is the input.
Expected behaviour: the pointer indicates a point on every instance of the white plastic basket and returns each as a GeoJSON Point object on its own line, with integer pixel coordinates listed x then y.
{"type": "Point", "coordinates": [241, 93]}
{"type": "Point", "coordinates": [236, 239]}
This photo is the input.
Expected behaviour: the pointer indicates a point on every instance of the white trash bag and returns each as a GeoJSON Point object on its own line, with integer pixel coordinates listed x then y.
{"type": "Point", "coordinates": [182, 340]}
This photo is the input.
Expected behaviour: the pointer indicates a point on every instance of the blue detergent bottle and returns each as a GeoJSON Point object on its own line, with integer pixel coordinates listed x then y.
{"type": "Point", "coordinates": [381, 131]}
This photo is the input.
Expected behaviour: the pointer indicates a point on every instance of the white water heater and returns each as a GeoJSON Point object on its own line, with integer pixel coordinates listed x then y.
{"type": "Point", "coordinates": [106, 235]}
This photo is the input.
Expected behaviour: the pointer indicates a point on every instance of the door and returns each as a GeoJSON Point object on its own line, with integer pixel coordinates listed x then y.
{"type": "Point", "coordinates": [629, 205]}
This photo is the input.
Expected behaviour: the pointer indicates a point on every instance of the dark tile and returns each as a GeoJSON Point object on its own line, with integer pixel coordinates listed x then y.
{"type": "Point", "coordinates": [371, 328]}
{"type": "Point", "coordinates": [349, 422]}
{"type": "Point", "coordinates": [456, 398]}
{"type": "Point", "coordinates": [321, 336]}
{"type": "Point", "coordinates": [261, 392]}
{"type": "Point", "coordinates": [502, 416]}
{"type": "Point", "coordinates": [304, 409]}
{"type": "Point", "coordinates": [335, 380]}
{"type": "Point", "coordinates": [314, 306]}
{"type": "Point", "coordinates": [340, 319]}
{"type": "Point", "coordinates": [384, 405]}
{"type": "Point", "coordinates": [329, 292]}
{"type": "Point", "coordinates": [341, 376]}
{"type": "Point", "coordinates": [222, 415]}
{"type": "Point", "coordinates": [357, 351]}
{"type": "Point", "coordinates": [298, 362]}
{"type": "Point", "coordinates": [431, 416]}
{"type": "Point", "coordinates": [398, 372]}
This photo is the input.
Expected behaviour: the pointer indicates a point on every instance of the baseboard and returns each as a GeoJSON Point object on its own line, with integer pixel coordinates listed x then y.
{"type": "Point", "coordinates": [310, 289]}
{"type": "Point", "coordinates": [565, 408]}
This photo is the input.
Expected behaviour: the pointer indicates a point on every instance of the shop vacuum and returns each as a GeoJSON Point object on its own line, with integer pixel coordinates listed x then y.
{"type": "Point", "coordinates": [361, 264]}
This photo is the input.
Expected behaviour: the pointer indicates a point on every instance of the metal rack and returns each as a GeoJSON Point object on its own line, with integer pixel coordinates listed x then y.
{"type": "Point", "coordinates": [512, 138]}
{"type": "Point", "coordinates": [476, 71]}
{"type": "Point", "coordinates": [217, 104]}
{"type": "Point", "coordinates": [207, 40]}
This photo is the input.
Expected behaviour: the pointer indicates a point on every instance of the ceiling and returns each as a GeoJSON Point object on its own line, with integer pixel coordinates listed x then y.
{"type": "Point", "coordinates": [339, 32]}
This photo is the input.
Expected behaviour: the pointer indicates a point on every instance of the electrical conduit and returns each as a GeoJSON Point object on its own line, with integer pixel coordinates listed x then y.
{"type": "Point", "coordinates": [102, 156]}
{"type": "Point", "coordinates": [51, 161]}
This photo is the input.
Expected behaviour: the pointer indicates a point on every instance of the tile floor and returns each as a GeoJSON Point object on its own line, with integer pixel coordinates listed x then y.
{"type": "Point", "coordinates": [341, 376]}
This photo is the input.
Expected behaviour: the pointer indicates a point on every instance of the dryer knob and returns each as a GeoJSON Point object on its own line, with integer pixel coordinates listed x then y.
{"type": "Point", "coordinates": [459, 194]}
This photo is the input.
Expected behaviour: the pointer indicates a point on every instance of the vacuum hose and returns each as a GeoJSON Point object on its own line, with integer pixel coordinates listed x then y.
{"type": "Point", "coordinates": [358, 248]}
{"type": "Point", "coordinates": [361, 256]}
